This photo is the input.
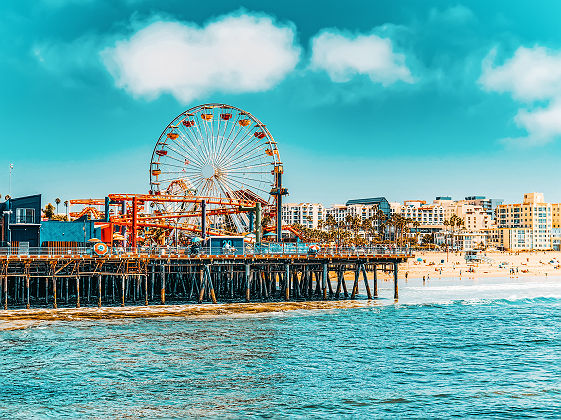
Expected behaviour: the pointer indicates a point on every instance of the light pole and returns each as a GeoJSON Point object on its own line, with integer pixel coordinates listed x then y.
{"type": "Point", "coordinates": [10, 188]}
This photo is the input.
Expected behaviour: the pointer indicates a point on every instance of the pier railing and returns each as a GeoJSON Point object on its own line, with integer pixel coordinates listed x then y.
{"type": "Point", "coordinates": [274, 249]}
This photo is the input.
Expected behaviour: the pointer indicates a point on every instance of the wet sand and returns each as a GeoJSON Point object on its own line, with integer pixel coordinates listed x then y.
{"type": "Point", "coordinates": [25, 318]}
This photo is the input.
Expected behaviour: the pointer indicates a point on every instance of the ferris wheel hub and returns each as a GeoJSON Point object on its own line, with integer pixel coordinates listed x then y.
{"type": "Point", "coordinates": [208, 171]}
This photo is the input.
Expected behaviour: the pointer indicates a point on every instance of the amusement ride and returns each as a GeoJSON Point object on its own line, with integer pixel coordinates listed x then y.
{"type": "Point", "coordinates": [215, 170]}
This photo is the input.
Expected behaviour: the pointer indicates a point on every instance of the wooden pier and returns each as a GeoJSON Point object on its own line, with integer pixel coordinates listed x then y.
{"type": "Point", "coordinates": [132, 279]}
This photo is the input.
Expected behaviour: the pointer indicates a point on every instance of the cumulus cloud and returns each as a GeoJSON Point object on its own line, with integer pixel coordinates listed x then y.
{"type": "Point", "coordinates": [531, 75]}
{"type": "Point", "coordinates": [343, 57]}
{"type": "Point", "coordinates": [236, 53]}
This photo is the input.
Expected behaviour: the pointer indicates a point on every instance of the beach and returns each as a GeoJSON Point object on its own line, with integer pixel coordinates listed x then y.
{"type": "Point", "coordinates": [497, 264]}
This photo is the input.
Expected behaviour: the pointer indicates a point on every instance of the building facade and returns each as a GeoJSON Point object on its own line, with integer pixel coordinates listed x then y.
{"type": "Point", "coordinates": [525, 226]}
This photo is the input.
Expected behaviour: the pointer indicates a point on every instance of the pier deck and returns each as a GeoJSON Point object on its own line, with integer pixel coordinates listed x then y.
{"type": "Point", "coordinates": [144, 278]}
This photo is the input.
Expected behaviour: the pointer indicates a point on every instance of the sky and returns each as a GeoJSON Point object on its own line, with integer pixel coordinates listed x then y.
{"type": "Point", "coordinates": [402, 99]}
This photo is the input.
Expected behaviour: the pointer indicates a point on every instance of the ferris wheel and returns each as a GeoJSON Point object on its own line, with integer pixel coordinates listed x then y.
{"type": "Point", "coordinates": [216, 150]}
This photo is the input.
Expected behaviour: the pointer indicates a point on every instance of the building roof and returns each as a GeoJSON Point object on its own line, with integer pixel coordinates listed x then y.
{"type": "Point", "coordinates": [382, 203]}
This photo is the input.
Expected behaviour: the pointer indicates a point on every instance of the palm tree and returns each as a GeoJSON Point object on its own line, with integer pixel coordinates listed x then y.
{"type": "Point", "coordinates": [460, 224]}
{"type": "Point", "coordinates": [57, 201]}
{"type": "Point", "coordinates": [416, 225]}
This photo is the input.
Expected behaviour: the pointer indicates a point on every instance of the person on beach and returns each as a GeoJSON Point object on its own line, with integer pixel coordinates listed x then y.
{"type": "Point", "coordinates": [406, 274]}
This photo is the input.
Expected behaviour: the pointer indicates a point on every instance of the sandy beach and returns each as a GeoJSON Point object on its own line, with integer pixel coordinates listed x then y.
{"type": "Point", "coordinates": [497, 264]}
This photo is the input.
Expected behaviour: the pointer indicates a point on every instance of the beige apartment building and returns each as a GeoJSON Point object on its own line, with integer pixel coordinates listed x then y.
{"type": "Point", "coordinates": [525, 226]}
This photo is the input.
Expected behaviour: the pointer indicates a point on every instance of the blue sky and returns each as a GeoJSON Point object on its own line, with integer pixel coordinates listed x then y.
{"type": "Point", "coordinates": [403, 99]}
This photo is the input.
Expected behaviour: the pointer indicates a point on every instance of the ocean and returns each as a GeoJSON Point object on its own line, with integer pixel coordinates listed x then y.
{"type": "Point", "coordinates": [469, 348]}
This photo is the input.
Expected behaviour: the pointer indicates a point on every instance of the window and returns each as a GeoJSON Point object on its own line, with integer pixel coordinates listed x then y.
{"type": "Point", "coordinates": [25, 215]}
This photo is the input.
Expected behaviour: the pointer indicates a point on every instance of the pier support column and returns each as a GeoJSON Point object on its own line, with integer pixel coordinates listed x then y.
{"type": "Point", "coordinates": [355, 284]}
{"type": "Point", "coordinates": [365, 278]}
{"type": "Point", "coordinates": [247, 282]}
{"type": "Point", "coordinates": [202, 284]}
{"type": "Point", "coordinates": [375, 281]}
{"type": "Point", "coordinates": [287, 282]}
{"type": "Point", "coordinates": [145, 289]}
{"type": "Point", "coordinates": [395, 289]}
{"type": "Point", "coordinates": [324, 280]}
{"type": "Point", "coordinates": [54, 292]}
{"type": "Point", "coordinates": [163, 283]}
{"type": "Point", "coordinates": [99, 290]}
{"type": "Point", "coordinates": [5, 292]}
{"type": "Point", "coordinates": [123, 290]}
{"type": "Point", "coordinates": [77, 291]}
{"type": "Point", "coordinates": [210, 285]}
{"type": "Point", "coordinates": [27, 303]}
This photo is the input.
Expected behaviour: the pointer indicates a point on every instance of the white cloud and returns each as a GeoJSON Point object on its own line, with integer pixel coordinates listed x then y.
{"type": "Point", "coordinates": [241, 53]}
{"type": "Point", "coordinates": [343, 57]}
{"type": "Point", "coordinates": [531, 75]}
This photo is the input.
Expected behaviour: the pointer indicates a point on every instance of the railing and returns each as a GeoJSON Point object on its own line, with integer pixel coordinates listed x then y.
{"type": "Point", "coordinates": [248, 250]}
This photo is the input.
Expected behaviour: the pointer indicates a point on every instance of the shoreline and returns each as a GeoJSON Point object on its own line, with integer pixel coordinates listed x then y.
{"type": "Point", "coordinates": [13, 319]}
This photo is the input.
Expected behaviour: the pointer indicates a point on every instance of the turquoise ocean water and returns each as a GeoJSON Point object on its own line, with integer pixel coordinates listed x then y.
{"type": "Point", "coordinates": [488, 347]}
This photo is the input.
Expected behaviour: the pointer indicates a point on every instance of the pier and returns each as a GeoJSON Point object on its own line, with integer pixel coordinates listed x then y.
{"type": "Point", "coordinates": [164, 277]}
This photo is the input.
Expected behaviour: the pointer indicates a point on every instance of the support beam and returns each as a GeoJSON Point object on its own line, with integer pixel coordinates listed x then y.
{"type": "Point", "coordinates": [99, 290]}
{"type": "Point", "coordinates": [54, 293]}
{"type": "Point", "coordinates": [145, 289]}
{"type": "Point", "coordinates": [77, 291]}
{"type": "Point", "coordinates": [395, 288]}
{"type": "Point", "coordinates": [324, 280]}
{"type": "Point", "coordinates": [27, 303]}
{"type": "Point", "coordinates": [123, 290]}
{"type": "Point", "coordinates": [5, 292]}
{"type": "Point", "coordinates": [163, 284]}
{"type": "Point", "coordinates": [375, 280]}
{"type": "Point", "coordinates": [287, 282]}
{"type": "Point", "coordinates": [247, 282]}
{"type": "Point", "coordinates": [365, 278]}
{"type": "Point", "coordinates": [355, 284]}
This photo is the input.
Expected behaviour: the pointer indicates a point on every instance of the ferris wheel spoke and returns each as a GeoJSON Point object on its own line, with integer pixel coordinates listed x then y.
{"type": "Point", "coordinates": [249, 155]}
{"type": "Point", "coordinates": [234, 169]}
{"type": "Point", "coordinates": [186, 159]}
{"type": "Point", "coordinates": [239, 154]}
{"type": "Point", "coordinates": [248, 185]}
{"type": "Point", "coordinates": [196, 155]}
{"type": "Point", "coordinates": [196, 137]}
{"type": "Point", "coordinates": [224, 143]}
{"type": "Point", "coordinates": [245, 160]}
{"type": "Point", "coordinates": [184, 169]}
{"type": "Point", "coordinates": [229, 136]}
{"type": "Point", "coordinates": [242, 144]}
{"type": "Point", "coordinates": [249, 179]}
{"type": "Point", "coordinates": [202, 141]}
{"type": "Point", "coordinates": [172, 158]}
{"type": "Point", "coordinates": [235, 141]}
{"type": "Point", "coordinates": [183, 145]}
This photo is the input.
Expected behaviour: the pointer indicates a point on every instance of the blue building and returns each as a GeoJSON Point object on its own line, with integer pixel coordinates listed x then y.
{"type": "Point", "coordinates": [381, 202]}
{"type": "Point", "coordinates": [21, 221]}
{"type": "Point", "coordinates": [76, 232]}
